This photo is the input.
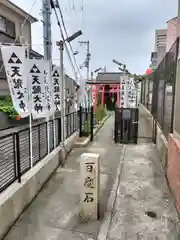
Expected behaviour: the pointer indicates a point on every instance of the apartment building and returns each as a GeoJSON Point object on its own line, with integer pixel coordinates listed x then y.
{"type": "Point", "coordinates": [11, 27]}
{"type": "Point", "coordinates": [153, 60]}
{"type": "Point", "coordinates": [159, 48]}
{"type": "Point", "coordinates": [171, 33]}
{"type": "Point", "coordinates": [160, 38]}
{"type": "Point", "coordinates": [160, 44]}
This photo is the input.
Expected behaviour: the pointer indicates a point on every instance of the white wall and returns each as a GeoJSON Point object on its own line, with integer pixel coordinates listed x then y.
{"type": "Point", "coordinates": [18, 20]}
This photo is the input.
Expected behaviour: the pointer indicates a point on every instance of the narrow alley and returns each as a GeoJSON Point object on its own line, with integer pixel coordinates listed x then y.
{"type": "Point", "coordinates": [134, 199]}
{"type": "Point", "coordinates": [54, 213]}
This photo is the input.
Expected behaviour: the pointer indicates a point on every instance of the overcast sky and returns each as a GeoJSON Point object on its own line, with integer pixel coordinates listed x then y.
{"type": "Point", "coordinates": [119, 29]}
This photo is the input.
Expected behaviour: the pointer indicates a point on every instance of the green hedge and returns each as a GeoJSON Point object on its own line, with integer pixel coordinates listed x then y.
{"type": "Point", "coordinates": [100, 113]}
{"type": "Point", "coordinates": [6, 106]}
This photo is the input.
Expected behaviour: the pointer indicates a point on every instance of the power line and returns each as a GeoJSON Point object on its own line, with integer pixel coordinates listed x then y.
{"type": "Point", "coordinates": [63, 38]}
{"type": "Point", "coordinates": [62, 35]}
{"type": "Point", "coordinates": [64, 26]}
{"type": "Point", "coordinates": [73, 5]}
{"type": "Point", "coordinates": [82, 14]}
{"type": "Point", "coordinates": [23, 25]}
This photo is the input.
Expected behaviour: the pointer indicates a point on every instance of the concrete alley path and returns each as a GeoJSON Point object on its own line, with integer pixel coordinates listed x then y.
{"type": "Point", "coordinates": [134, 194]}
{"type": "Point", "coordinates": [142, 189]}
{"type": "Point", "coordinates": [54, 213]}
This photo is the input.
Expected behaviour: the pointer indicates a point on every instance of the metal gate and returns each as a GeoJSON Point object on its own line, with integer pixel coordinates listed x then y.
{"type": "Point", "coordinates": [126, 125]}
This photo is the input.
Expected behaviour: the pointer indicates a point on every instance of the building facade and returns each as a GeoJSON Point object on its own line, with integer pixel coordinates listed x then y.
{"type": "Point", "coordinates": [153, 60]}
{"type": "Point", "coordinates": [105, 89]}
{"type": "Point", "coordinates": [11, 28]}
{"type": "Point", "coordinates": [171, 33]}
{"type": "Point", "coordinates": [159, 48]}
{"type": "Point", "coordinates": [160, 44]}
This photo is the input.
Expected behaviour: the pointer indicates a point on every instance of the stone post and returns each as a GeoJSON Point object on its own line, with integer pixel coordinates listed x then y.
{"type": "Point", "coordinates": [90, 186]}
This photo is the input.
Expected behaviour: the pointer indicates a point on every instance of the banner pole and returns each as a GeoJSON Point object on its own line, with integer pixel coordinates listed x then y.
{"type": "Point", "coordinates": [31, 146]}
{"type": "Point", "coordinates": [53, 115]}
{"type": "Point", "coordinates": [48, 134]}
{"type": "Point", "coordinates": [47, 82]}
{"type": "Point", "coordinates": [30, 118]}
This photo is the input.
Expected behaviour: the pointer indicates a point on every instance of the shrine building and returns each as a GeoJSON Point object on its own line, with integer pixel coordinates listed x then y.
{"type": "Point", "coordinates": [106, 89]}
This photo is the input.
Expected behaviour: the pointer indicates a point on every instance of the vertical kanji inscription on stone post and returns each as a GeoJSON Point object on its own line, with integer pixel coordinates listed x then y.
{"type": "Point", "coordinates": [90, 186]}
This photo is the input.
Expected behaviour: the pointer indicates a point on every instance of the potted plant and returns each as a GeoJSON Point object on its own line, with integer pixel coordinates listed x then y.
{"type": "Point", "coordinates": [11, 116]}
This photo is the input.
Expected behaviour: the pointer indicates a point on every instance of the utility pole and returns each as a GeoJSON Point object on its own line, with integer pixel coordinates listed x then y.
{"type": "Point", "coordinates": [46, 12]}
{"type": "Point", "coordinates": [88, 60]}
{"type": "Point", "coordinates": [47, 44]}
{"type": "Point", "coordinates": [61, 45]}
{"type": "Point", "coordinates": [61, 48]}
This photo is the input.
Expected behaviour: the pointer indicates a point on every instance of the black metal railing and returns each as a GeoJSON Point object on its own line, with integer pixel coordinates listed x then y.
{"type": "Point", "coordinates": [71, 123]}
{"type": "Point", "coordinates": [15, 154]}
{"type": "Point", "coordinates": [160, 88]}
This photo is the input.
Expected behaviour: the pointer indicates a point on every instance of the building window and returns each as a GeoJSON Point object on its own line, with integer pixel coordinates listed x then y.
{"type": "Point", "coordinates": [7, 26]}
{"type": "Point", "coordinates": [2, 24]}
{"type": "Point", "coordinates": [10, 28]}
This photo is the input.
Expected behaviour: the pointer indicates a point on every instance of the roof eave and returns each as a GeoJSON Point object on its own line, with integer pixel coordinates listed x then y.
{"type": "Point", "coordinates": [171, 19]}
{"type": "Point", "coordinates": [19, 10]}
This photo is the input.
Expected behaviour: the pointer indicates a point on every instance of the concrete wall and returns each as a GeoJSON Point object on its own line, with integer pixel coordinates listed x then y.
{"type": "Point", "coordinates": [19, 195]}
{"type": "Point", "coordinates": [173, 171]}
{"type": "Point", "coordinates": [177, 101]}
{"type": "Point", "coordinates": [162, 146]}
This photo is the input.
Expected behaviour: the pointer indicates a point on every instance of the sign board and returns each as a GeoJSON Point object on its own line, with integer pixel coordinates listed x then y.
{"type": "Point", "coordinates": [90, 186]}
{"type": "Point", "coordinates": [48, 90]}
{"type": "Point", "coordinates": [35, 72]}
{"type": "Point", "coordinates": [13, 60]}
{"type": "Point", "coordinates": [132, 93]}
{"type": "Point", "coordinates": [56, 88]}
{"type": "Point", "coordinates": [123, 93]}
{"type": "Point", "coordinates": [126, 114]}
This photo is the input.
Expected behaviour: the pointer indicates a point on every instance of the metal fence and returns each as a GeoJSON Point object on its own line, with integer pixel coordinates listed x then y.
{"type": "Point", "coordinates": [15, 147]}
{"type": "Point", "coordinates": [146, 93]}
{"type": "Point", "coordinates": [160, 97]}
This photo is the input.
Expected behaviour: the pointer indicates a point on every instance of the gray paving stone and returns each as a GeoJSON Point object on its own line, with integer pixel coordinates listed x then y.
{"type": "Point", "coordinates": [54, 214]}
{"type": "Point", "coordinates": [143, 188]}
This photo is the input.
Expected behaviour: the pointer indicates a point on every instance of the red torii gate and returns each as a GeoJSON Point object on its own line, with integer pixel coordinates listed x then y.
{"type": "Point", "coordinates": [100, 88]}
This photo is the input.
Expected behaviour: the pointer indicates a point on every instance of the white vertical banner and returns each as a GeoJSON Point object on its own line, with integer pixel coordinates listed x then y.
{"type": "Point", "coordinates": [131, 93]}
{"type": "Point", "coordinates": [56, 88]}
{"type": "Point", "coordinates": [86, 99]}
{"type": "Point", "coordinates": [123, 93]}
{"type": "Point", "coordinates": [49, 98]}
{"type": "Point", "coordinates": [35, 72]}
{"type": "Point", "coordinates": [82, 91]}
{"type": "Point", "coordinates": [48, 90]}
{"type": "Point", "coordinates": [13, 59]}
